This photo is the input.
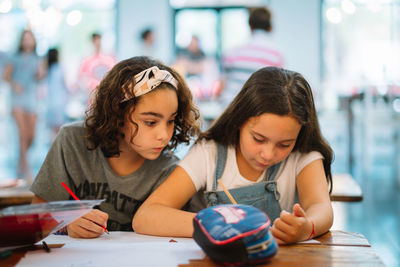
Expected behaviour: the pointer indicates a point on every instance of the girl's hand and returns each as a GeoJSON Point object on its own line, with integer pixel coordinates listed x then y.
{"type": "Point", "coordinates": [292, 227]}
{"type": "Point", "coordinates": [89, 225]}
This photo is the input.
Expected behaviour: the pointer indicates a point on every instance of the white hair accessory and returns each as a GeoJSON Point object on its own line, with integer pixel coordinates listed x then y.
{"type": "Point", "coordinates": [148, 80]}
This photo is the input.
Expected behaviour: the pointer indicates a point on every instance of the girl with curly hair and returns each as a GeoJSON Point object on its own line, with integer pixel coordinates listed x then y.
{"type": "Point", "coordinates": [140, 112]}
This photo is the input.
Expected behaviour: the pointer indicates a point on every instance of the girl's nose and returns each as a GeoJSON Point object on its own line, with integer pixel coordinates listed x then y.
{"type": "Point", "coordinates": [163, 132]}
{"type": "Point", "coordinates": [268, 152]}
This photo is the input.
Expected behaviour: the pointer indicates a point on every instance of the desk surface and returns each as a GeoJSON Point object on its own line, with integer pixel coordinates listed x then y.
{"type": "Point", "coordinates": [336, 248]}
{"type": "Point", "coordinates": [127, 248]}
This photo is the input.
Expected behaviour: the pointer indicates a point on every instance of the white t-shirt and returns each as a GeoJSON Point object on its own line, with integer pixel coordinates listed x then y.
{"type": "Point", "coordinates": [200, 164]}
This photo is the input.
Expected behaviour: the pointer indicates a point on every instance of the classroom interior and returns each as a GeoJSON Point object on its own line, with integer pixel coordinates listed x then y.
{"type": "Point", "coordinates": [349, 51]}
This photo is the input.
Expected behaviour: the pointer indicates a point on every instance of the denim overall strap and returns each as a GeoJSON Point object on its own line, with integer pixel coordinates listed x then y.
{"type": "Point", "coordinates": [270, 183]}
{"type": "Point", "coordinates": [273, 208]}
{"type": "Point", "coordinates": [263, 195]}
{"type": "Point", "coordinates": [222, 151]}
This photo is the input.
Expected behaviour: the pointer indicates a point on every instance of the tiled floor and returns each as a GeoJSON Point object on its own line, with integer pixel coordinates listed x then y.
{"type": "Point", "coordinates": [377, 216]}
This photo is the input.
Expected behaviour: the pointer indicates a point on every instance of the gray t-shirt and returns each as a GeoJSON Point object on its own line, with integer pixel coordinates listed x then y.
{"type": "Point", "coordinates": [89, 175]}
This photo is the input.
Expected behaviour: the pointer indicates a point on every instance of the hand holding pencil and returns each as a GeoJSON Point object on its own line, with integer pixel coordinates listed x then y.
{"type": "Point", "coordinates": [91, 225]}
{"type": "Point", "coordinates": [88, 226]}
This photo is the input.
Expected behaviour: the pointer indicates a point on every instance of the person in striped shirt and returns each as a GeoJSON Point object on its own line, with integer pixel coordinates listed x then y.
{"type": "Point", "coordinates": [239, 63]}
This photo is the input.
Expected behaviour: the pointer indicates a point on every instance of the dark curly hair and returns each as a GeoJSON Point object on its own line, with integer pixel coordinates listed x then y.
{"type": "Point", "coordinates": [276, 91]}
{"type": "Point", "coordinates": [106, 115]}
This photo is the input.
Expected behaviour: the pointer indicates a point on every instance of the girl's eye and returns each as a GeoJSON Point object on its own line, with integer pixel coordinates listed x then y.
{"type": "Point", "coordinates": [171, 121]}
{"type": "Point", "coordinates": [258, 140]}
{"type": "Point", "coordinates": [150, 123]}
{"type": "Point", "coordinates": [284, 145]}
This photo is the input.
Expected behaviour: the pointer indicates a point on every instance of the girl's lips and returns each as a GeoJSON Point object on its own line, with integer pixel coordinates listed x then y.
{"type": "Point", "coordinates": [263, 165]}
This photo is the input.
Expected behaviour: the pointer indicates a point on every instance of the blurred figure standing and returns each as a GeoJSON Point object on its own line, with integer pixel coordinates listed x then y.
{"type": "Point", "coordinates": [57, 92]}
{"type": "Point", "coordinates": [23, 71]}
{"type": "Point", "coordinates": [202, 72]}
{"type": "Point", "coordinates": [192, 58]}
{"type": "Point", "coordinates": [94, 67]}
{"type": "Point", "coordinates": [258, 52]}
{"type": "Point", "coordinates": [147, 43]}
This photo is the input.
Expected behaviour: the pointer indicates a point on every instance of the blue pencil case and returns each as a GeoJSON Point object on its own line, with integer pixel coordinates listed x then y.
{"type": "Point", "coordinates": [234, 234]}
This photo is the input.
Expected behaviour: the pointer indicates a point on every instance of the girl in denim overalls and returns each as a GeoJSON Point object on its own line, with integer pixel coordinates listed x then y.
{"type": "Point", "coordinates": [267, 149]}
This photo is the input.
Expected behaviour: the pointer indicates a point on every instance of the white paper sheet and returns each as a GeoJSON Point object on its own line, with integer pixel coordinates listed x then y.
{"type": "Point", "coordinates": [116, 249]}
{"type": "Point", "coordinates": [311, 241]}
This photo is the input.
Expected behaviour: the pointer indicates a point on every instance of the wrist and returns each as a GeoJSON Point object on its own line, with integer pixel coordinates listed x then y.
{"type": "Point", "coordinates": [312, 230]}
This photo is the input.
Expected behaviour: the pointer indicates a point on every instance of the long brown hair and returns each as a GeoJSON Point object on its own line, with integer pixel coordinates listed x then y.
{"type": "Point", "coordinates": [277, 91]}
{"type": "Point", "coordinates": [20, 44]}
{"type": "Point", "coordinates": [106, 115]}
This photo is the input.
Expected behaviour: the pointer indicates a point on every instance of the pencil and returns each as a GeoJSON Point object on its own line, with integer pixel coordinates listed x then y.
{"type": "Point", "coordinates": [76, 198]}
{"type": "Point", "coordinates": [45, 246]}
{"type": "Point", "coordinates": [227, 192]}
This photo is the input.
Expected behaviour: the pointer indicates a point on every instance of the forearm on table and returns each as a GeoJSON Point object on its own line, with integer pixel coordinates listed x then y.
{"type": "Point", "coordinates": [157, 219]}
{"type": "Point", "coordinates": [321, 214]}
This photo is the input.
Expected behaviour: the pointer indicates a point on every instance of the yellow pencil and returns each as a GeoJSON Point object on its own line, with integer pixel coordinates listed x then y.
{"type": "Point", "coordinates": [227, 192]}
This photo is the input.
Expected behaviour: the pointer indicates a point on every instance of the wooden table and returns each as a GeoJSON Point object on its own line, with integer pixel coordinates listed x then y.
{"type": "Point", "coordinates": [15, 196]}
{"type": "Point", "coordinates": [336, 248]}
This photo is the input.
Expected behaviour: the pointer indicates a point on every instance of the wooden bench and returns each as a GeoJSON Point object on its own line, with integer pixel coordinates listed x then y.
{"type": "Point", "coordinates": [345, 188]}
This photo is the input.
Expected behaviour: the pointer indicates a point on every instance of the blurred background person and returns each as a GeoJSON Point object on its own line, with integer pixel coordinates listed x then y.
{"type": "Point", "coordinates": [57, 92]}
{"type": "Point", "coordinates": [192, 58]}
{"type": "Point", "coordinates": [147, 42]}
{"type": "Point", "coordinates": [23, 71]}
{"type": "Point", "coordinates": [239, 63]}
{"type": "Point", "coordinates": [94, 67]}
{"type": "Point", "coordinates": [200, 70]}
